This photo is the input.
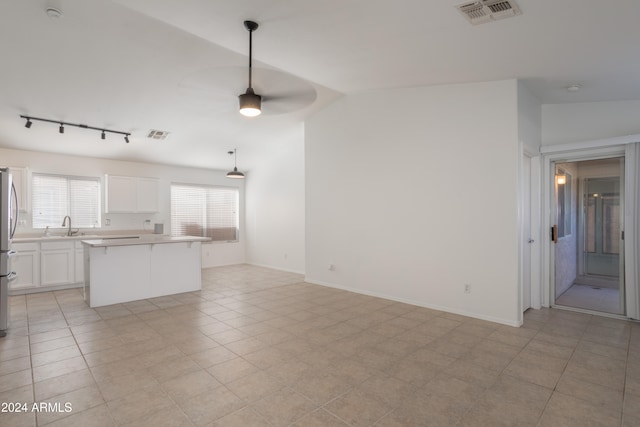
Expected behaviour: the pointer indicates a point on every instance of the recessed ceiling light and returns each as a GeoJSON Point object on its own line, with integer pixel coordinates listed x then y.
{"type": "Point", "coordinates": [573, 88]}
{"type": "Point", "coordinates": [54, 13]}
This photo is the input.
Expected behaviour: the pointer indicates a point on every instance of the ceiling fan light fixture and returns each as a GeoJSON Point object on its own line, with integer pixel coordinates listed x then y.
{"type": "Point", "coordinates": [250, 103]}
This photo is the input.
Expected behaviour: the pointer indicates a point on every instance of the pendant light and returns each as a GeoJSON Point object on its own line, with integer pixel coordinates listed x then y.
{"type": "Point", "coordinates": [250, 102]}
{"type": "Point", "coordinates": [235, 173]}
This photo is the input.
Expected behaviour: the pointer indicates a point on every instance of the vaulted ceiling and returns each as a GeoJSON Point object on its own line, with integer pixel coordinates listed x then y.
{"type": "Point", "coordinates": [178, 66]}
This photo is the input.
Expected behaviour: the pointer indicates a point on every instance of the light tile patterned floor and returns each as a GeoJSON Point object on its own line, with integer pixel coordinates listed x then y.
{"type": "Point", "coordinates": [258, 347]}
{"type": "Point", "coordinates": [591, 297]}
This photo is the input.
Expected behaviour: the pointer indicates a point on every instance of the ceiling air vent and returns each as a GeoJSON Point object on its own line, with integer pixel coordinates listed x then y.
{"type": "Point", "coordinates": [158, 134]}
{"type": "Point", "coordinates": [479, 12]}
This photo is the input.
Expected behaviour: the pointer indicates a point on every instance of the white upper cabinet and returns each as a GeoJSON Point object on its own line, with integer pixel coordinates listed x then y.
{"type": "Point", "coordinates": [127, 194]}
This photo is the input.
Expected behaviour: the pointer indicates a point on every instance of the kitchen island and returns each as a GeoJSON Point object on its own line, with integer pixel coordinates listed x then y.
{"type": "Point", "coordinates": [118, 270]}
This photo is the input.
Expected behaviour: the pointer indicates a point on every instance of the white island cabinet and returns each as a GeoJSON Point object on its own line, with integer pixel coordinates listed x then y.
{"type": "Point", "coordinates": [123, 270]}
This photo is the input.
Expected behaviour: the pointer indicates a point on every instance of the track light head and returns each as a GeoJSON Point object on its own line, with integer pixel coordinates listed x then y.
{"type": "Point", "coordinates": [61, 129]}
{"type": "Point", "coordinates": [28, 124]}
{"type": "Point", "coordinates": [126, 139]}
{"type": "Point", "coordinates": [103, 136]}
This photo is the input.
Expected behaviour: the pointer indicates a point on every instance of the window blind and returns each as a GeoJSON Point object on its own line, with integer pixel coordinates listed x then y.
{"type": "Point", "coordinates": [204, 211]}
{"type": "Point", "coordinates": [55, 196]}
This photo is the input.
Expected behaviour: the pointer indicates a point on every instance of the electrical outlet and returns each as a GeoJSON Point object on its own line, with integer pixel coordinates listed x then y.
{"type": "Point", "coordinates": [467, 288]}
{"type": "Point", "coordinates": [107, 222]}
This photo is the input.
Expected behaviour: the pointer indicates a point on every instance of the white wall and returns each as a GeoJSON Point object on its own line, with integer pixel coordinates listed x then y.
{"type": "Point", "coordinates": [565, 123]}
{"type": "Point", "coordinates": [275, 209]}
{"type": "Point", "coordinates": [529, 119]}
{"type": "Point", "coordinates": [213, 254]}
{"type": "Point", "coordinates": [412, 193]}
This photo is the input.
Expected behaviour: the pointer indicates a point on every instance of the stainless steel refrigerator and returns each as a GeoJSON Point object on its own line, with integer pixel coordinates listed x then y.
{"type": "Point", "coordinates": [8, 222]}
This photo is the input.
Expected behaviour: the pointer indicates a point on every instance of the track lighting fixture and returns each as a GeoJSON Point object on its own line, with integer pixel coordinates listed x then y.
{"type": "Point", "coordinates": [103, 132]}
{"type": "Point", "coordinates": [235, 173]}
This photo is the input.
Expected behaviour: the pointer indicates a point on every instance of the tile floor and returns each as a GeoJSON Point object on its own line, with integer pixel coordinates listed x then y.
{"type": "Point", "coordinates": [258, 347]}
{"type": "Point", "coordinates": [596, 298]}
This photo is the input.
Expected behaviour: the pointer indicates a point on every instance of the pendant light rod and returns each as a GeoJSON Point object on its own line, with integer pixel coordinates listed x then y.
{"type": "Point", "coordinates": [251, 26]}
{"type": "Point", "coordinates": [62, 124]}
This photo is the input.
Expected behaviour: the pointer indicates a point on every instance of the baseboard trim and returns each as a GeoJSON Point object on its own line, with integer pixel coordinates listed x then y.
{"type": "Point", "coordinates": [515, 324]}
{"type": "Point", "coordinates": [276, 268]}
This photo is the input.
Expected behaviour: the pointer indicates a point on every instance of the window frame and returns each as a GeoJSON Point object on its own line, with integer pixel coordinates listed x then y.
{"type": "Point", "coordinates": [204, 227]}
{"type": "Point", "coordinates": [68, 178]}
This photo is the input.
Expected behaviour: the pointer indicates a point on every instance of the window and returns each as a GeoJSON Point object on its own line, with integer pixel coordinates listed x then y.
{"type": "Point", "coordinates": [198, 210]}
{"type": "Point", "coordinates": [55, 196]}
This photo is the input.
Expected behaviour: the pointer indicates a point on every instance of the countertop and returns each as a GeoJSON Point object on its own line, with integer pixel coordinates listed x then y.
{"type": "Point", "coordinates": [150, 239]}
{"type": "Point", "coordinates": [34, 238]}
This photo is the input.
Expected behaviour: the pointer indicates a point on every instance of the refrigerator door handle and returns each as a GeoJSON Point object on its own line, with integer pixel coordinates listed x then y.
{"type": "Point", "coordinates": [14, 193]}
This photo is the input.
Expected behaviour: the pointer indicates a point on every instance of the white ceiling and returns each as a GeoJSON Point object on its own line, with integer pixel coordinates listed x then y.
{"type": "Point", "coordinates": [136, 65]}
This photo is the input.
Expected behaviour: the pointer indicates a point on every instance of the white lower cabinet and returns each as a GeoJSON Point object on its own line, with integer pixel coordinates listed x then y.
{"type": "Point", "coordinates": [52, 264]}
{"type": "Point", "coordinates": [26, 263]}
{"type": "Point", "coordinates": [79, 263]}
{"type": "Point", "coordinates": [57, 263]}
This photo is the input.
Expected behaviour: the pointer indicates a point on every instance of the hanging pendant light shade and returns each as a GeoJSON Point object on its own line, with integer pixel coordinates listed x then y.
{"type": "Point", "coordinates": [235, 173]}
{"type": "Point", "coordinates": [250, 102]}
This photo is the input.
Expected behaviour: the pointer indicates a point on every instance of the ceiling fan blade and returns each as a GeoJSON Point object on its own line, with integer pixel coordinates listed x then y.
{"type": "Point", "coordinates": [287, 102]}
{"type": "Point", "coordinates": [220, 86]}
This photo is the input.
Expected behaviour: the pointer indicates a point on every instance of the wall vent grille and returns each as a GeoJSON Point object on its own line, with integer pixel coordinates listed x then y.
{"type": "Point", "coordinates": [479, 12]}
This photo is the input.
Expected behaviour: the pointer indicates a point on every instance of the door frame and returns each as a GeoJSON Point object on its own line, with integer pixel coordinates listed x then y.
{"type": "Point", "coordinates": [534, 259]}
{"type": "Point", "coordinates": [591, 150]}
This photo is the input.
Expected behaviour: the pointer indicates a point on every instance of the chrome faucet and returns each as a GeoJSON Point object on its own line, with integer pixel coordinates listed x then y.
{"type": "Point", "coordinates": [64, 223]}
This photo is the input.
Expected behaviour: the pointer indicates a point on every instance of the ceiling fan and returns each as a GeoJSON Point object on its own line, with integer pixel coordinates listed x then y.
{"type": "Point", "coordinates": [250, 102]}
{"type": "Point", "coordinates": [270, 91]}
{"type": "Point", "coordinates": [298, 93]}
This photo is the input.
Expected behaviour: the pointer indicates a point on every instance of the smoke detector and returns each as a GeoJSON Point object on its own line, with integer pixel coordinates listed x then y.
{"type": "Point", "coordinates": [158, 134]}
{"type": "Point", "coordinates": [479, 12]}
